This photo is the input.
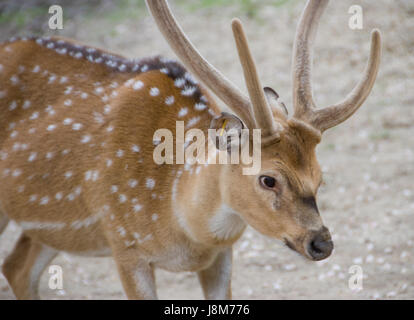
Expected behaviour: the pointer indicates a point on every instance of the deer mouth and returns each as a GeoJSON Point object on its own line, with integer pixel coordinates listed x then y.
{"type": "Point", "coordinates": [289, 244]}
{"type": "Point", "coordinates": [298, 249]}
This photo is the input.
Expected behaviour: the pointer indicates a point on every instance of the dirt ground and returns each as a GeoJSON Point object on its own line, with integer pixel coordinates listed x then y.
{"type": "Point", "coordinates": [367, 199]}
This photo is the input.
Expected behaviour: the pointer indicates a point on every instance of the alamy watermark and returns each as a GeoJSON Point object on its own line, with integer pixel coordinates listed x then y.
{"type": "Point", "coordinates": [56, 20]}
{"type": "Point", "coordinates": [355, 282]}
{"type": "Point", "coordinates": [228, 147]}
{"type": "Point", "coordinates": [356, 21]}
{"type": "Point", "coordinates": [56, 277]}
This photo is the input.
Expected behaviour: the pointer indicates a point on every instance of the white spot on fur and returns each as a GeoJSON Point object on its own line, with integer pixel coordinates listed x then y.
{"type": "Point", "coordinates": [137, 207]}
{"type": "Point", "coordinates": [99, 90]}
{"type": "Point", "coordinates": [154, 92]}
{"type": "Point", "coordinates": [67, 121]}
{"type": "Point", "coordinates": [188, 91]}
{"type": "Point", "coordinates": [182, 112]}
{"type": "Point", "coordinates": [71, 196]}
{"type": "Point", "coordinates": [34, 115]}
{"type": "Point", "coordinates": [49, 110]}
{"type": "Point", "coordinates": [88, 175]}
{"type": "Point", "coordinates": [68, 174]}
{"type": "Point", "coordinates": [193, 121]}
{"type": "Point", "coordinates": [150, 183]}
{"type": "Point", "coordinates": [52, 78]}
{"type": "Point", "coordinates": [13, 105]}
{"type": "Point", "coordinates": [16, 172]}
{"type": "Point", "coordinates": [44, 200]}
{"type": "Point", "coordinates": [122, 232]}
{"type": "Point", "coordinates": [68, 90]}
{"type": "Point", "coordinates": [180, 82]}
{"type": "Point", "coordinates": [200, 106]}
{"type": "Point", "coordinates": [129, 82]}
{"type": "Point", "coordinates": [4, 155]}
{"type": "Point", "coordinates": [107, 109]}
{"type": "Point", "coordinates": [32, 156]}
{"type": "Point", "coordinates": [132, 183]}
{"type": "Point", "coordinates": [86, 138]}
{"type": "Point", "coordinates": [77, 126]}
{"type": "Point", "coordinates": [138, 85]}
{"type": "Point", "coordinates": [78, 190]}
{"type": "Point", "coordinates": [122, 198]}
{"type": "Point", "coordinates": [190, 78]}
{"type": "Point", "coordinates": [14, 79]}
{"type": "Point", "coordinates": [95, 175]}
{"type": "Point", "coordinates": [26, 104]}
{"type": "Point", "coordinates": [51, 127]}
{"type": "Point", "coordinates": [169, 100]}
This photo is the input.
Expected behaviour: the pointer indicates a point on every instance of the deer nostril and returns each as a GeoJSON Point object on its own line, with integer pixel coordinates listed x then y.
{"type": "Point", "coordinates": [316, 246]}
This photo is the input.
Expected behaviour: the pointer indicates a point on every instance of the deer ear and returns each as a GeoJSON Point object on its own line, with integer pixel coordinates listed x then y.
{"type": "Point", "coordinates": [277, 106]}
{"type": "Point", "coordinates": [228, 131]}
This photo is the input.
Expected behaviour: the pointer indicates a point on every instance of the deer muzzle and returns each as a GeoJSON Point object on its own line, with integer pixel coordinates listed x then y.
{"type": "Point", "coordinates": [319, 245]}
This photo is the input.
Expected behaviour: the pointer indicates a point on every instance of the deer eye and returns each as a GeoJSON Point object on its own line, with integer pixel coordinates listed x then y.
{"type": "Point", "coordinates": [267, 182]}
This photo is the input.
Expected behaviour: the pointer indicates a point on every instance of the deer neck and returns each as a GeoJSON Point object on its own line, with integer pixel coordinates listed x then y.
{"type": "Point", "coordinates": [199, 206]}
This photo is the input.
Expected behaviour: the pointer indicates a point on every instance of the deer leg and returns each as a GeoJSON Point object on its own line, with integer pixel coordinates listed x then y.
{"type": "Point", "coordinates": [137, 277]}
{"type": "Point", "coordinates": [24, 266]}
{"type": "Point", "coordinates": [3, 222]}
{"type": "Point", "coordinates": [216, 279]}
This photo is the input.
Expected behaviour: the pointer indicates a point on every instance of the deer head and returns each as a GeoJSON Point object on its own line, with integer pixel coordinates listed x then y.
{"type": "Point", "coordinates": [281, 200]}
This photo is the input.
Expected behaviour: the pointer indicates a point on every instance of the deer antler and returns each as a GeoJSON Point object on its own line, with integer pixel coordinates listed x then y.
{"type": "Point", "coordinates": [193, 60]}
{"type": "Point", "coordinates": [304, 105]}
{"type": "Point", "coordinates": [261, 109]}
{"type": "Point", "coordinates": [261, 117]}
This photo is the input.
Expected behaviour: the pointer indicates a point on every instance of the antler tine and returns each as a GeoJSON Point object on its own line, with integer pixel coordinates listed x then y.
{"type": "Point", "coordinates": [199, 66]}
{"type": "Point", "coordinates": [304, 105]}
{"type": "Point", "coordinates": [261, 109]}
{"type": "Point", "coordinates": [302, 56]}
{"type": "Point", "coordinates": [335, 114]}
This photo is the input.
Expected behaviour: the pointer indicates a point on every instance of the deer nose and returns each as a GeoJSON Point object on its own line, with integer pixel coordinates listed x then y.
{"type": "Point", "coordinates": [320, 246]}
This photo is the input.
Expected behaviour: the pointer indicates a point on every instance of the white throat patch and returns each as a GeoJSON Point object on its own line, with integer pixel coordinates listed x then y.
{"type": "Point", "coordinates": [226, 223]}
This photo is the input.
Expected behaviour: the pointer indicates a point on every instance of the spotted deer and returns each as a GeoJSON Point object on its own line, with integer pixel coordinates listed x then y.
{"type": "Point", "coordinates": [77, 171]}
